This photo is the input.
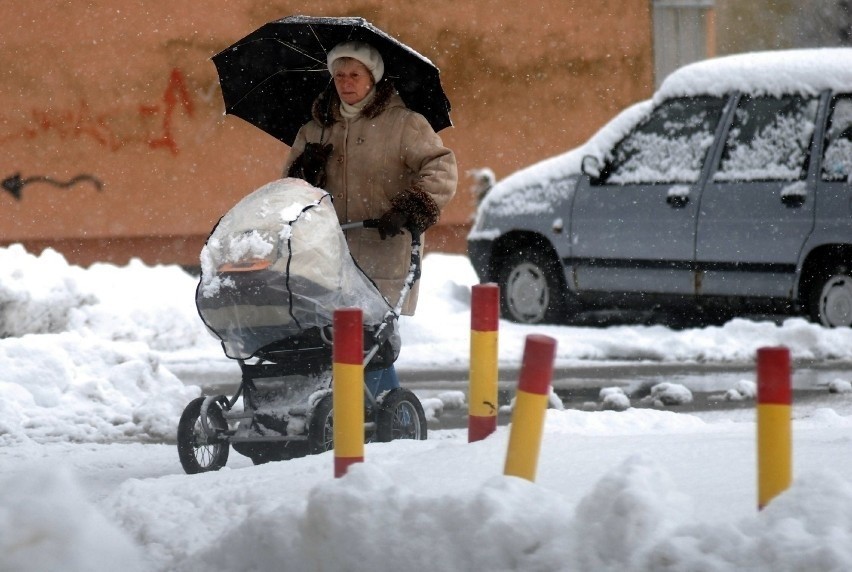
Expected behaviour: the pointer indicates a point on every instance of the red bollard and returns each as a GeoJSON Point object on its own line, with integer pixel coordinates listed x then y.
{"type": "Point", "coordinates": [530, 407]}
{"type": "Point", "coordinates": [484, 318]}
{"type": "Point", "coordinates": [348, 389]}
{"type": "Point", "coordinates": [774, 425]}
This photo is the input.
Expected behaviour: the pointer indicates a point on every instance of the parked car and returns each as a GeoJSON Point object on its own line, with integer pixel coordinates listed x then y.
{"type": "Point", "coordinates": [729, 189]}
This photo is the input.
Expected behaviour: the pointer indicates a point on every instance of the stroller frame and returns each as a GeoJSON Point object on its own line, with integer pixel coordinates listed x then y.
{"type": "Point", "coordinates": [287, 397]}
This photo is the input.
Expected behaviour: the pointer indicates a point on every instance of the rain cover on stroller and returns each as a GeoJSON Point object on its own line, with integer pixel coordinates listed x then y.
{"type": "Point", "coordinates": [278, 264]}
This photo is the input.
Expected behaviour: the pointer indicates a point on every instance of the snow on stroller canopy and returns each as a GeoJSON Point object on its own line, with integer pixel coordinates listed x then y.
{"type": "Point", "coordinates": [277, 264]}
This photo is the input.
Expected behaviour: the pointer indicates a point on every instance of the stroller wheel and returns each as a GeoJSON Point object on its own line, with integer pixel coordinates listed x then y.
{"type": "Point", "coordinates": [400, 417]}
{"type": "Point", "coordinates": [321, 428]}
{"type": "Point", "coordinates": [199, 453]}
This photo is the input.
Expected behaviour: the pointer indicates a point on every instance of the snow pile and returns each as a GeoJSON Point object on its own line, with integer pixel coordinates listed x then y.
{"type": "Point", "coordinates": [614, 399]}
{"type": "Point", "coordinates": [442, 504]}
{"type": "Point", "coordinates": [46, 523]}
{"type": "Point", "coordinates": [110, 374]}
{"type": "Point", "coordinates": [38, 294]}
{"type": "Point", "coordinates": [139, 303]}
{"type": "Point", "coordinates": [71, 387]}
{"type": "Point", "coordinates": [433, 407]}
{"type": "Point", "coordinates": [840, 386]}
{"type": "Point", "coordinates": [744, 389]}
{"type": "Point", "coordinates": [78, 361]}
{"type": "Point", "coordinates": [79, 489]}
{"type": "Point", "coordinates": [666, 393]}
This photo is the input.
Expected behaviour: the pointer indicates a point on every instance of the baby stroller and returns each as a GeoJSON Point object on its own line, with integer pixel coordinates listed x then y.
{"type": "Point", "coordinates": [272, 273]}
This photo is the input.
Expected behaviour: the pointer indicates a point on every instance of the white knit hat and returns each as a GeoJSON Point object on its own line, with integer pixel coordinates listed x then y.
{"type": "Point", "coordinates": [364, 53]}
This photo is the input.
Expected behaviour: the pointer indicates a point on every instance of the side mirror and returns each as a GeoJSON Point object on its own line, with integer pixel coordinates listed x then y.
{"type": "Point", "coordinates": [591, 166]}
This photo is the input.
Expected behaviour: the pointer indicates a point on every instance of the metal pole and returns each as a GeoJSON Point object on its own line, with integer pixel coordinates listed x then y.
{"type": "Point", "coordinates": [348, 389]}
{"type": "Point", "coordinates": [530, 407]}
{"type": "Point", "coordinates": [484, 318]}
{"type": "Point", "coordinates": [774, 430]}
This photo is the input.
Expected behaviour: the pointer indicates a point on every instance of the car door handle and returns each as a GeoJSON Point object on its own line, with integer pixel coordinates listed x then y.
{"type": "Point", "coordinates": [677, 201]}
{"type": "Point", "coordinates": [793, 201]}
{"type": "Point", "coordinates": [677, 196]}
{"type": "Point", "coordinates": [793, 195]}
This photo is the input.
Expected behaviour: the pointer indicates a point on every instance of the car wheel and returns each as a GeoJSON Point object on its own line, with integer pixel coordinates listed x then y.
{"type": "Point", "coordinates": [531, 288]}
{"type": "Point", "coordinates": [831, 300]}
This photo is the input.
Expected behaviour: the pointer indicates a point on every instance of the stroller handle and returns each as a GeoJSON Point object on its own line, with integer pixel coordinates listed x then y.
{"type": "Point", "coordinates": [366, 223]}
{"type": "Point", "coordinates": [374, 223]}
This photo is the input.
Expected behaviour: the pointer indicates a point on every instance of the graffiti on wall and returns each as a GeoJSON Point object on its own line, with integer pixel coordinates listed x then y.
{"type": "Point", "coordinates": [150, 123]}
{"type": "Point", "coordinates": [15, 184]}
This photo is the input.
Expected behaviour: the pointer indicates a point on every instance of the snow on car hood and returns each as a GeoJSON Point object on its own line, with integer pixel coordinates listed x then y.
{"type": "Point", "coordinates": [525, 191]}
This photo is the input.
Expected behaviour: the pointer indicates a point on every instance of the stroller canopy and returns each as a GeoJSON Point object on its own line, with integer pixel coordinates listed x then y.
{"type": "Point", "coordinates": [277, 264]}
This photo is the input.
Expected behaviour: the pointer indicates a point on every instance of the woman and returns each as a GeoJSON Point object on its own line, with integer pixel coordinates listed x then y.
{"type": "Point", "coordinates": [384, 162]}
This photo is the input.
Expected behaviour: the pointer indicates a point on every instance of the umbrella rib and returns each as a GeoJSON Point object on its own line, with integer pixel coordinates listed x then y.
{"type": "Point", "coordinates": [293, 47]}
{"type": "Point", "coordinates": [319, 41]}
{"type": "Point", "coordinates": [303, 52]}
{"type": "Point", "coordinates": [316, 37]}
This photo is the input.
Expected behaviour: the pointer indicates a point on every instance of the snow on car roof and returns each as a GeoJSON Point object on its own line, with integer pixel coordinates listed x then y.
{"type": "Point", "coordinates": [763, 73]}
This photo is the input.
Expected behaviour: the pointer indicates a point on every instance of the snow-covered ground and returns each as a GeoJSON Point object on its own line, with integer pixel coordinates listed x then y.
{"type": "Point", "coordinates": [90, 479]}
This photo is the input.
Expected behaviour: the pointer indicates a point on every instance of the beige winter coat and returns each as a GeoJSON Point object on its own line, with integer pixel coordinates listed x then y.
{"type": "Point", "coordinates": [386, 157]}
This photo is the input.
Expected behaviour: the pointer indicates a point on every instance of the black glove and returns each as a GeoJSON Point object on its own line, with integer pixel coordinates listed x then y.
{"type": "Point", "coordinates": [391, 223]}
{"type": "Point", "coordinates": [310, 165]}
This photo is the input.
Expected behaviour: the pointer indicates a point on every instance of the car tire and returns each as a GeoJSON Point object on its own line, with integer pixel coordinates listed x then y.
{"type": "Point", "coordinates": [532, 289]}
{"type": "Point", "coordinates": [831, 299]}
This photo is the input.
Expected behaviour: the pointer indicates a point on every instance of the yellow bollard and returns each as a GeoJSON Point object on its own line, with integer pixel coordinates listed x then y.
{"type": "Point", "coordinates": [348, 389]}
{"type": "Point", "coordinates": [774, 430]}
{"type": "Point", "coordinates": [484, 318]}
{"type": "Point", "coordinates": [530, 407]}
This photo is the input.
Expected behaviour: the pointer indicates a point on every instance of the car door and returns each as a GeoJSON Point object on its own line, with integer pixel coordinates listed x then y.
{"type": "Point", "coordinates": [757, 208]}
{"type": "Point", "coordinates": [633, 228]}
{"type": "Point", "coordinates": [835, 175]}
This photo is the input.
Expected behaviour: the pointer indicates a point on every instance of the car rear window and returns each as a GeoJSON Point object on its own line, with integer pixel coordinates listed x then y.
{"type": "Point", "coordinates": [769, 139]}
{"type": "Point", "coordinates": [837, 159]}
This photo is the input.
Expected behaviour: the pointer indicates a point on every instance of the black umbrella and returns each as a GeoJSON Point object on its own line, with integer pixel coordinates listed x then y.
{"type": "Point", "coordinates": [271, 77]}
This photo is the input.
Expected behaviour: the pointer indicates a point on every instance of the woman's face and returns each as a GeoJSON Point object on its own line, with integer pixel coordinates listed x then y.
{"type": "Point", "coordinates": [352, 80]}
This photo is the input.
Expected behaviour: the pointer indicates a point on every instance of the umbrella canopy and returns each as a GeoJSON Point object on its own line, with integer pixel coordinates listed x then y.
{"type": "Point", "coordinates": [271, 77]}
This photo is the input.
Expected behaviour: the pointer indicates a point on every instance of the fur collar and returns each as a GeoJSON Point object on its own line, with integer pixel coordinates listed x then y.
{"type": "Point", "coordinates": [326, 107]}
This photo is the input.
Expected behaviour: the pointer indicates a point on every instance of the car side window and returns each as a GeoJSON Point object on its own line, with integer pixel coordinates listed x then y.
{"type": "Point", "coordinates": [837, 158]}
{"type": "Point", "coordinates": [769, 139]}
{"type": "Point", "coordinates": [669, 147]}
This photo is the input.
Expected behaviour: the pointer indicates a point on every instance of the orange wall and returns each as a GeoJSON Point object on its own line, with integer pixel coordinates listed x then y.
{"type": "Point", "coordinates": [126, 93]}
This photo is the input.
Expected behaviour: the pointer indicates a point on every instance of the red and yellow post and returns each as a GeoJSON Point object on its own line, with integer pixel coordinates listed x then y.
{"type": "Point", "coordinates": [530, 407]}
{"type": "Point", "coordinates": [348, 389]}
{"type": "Point", "coordinates": [774, 430]}
{"type": "Point", "coordinates": [484, 319]}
